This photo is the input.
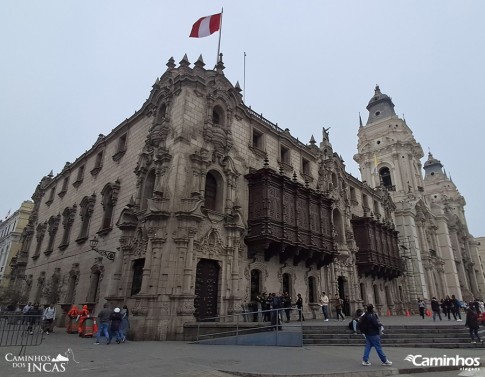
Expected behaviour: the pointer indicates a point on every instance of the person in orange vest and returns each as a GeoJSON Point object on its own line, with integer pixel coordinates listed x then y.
{"type": "Point", "coordinates": [82, 316]}
{"type": "Point", "coordinates": [71, 315]}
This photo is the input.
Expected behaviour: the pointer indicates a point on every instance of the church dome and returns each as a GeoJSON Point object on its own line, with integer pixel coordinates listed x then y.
{"type": "Point", "coordinates": [380, 106]}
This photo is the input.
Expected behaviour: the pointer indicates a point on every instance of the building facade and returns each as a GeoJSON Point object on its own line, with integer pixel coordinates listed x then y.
{"type": "Point", "coordinates": [441, 255]}
{"type": "Point", "coordinates": [10, 231]}
{"type": "Point", "coordinates": [196, 204]}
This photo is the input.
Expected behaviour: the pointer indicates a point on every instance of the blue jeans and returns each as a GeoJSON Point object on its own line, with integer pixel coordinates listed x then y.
{"type": "Point", "coordinates": [373, 341]}
{"type": "Point", "coordinates": [116, 333]}
{"type": "Point", "coordinates": [102, 330]}
{"type": "Point", "coordinates": [325, 311]}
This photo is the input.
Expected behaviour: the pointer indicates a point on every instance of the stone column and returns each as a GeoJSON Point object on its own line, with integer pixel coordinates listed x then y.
{"type": "Point", "coordinates": [189, 261]}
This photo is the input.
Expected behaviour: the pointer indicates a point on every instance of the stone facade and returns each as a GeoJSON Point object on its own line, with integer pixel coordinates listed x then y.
{"type": "Point", "coordinates": [441, 255]}
{"type": "Point", "coordinates": [10, 230]}
{"type": "Point", "coordinates": [196, 204]}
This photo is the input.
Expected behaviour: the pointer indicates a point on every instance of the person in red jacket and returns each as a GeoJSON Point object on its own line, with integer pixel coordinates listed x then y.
{"type": "Point", "coordinates": [82, 316]}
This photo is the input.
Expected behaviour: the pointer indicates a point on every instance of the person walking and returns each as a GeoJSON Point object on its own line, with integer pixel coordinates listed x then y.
{"type": "Point", "coordinates": [371, 327]}
{"type": "Point", "coordinates": [338, 307]}
{"type": "Point", "coordinates": [125, 323]}
{"type": "Point", "coordinates": [449, 308]}
{"type": "Point", "coordinates": [287, 305]}
{"type": "Point", "coordinates": [49, 318]}
{"type": "Point", "coordinates": [472, 323]}
{"type": "Point", "coordinates": [422, 307]}
{"type": "Point", "coordinates": [324, 300]}
{"type": "Point", "coordinates": [103, 324]}
{"type": "Point", "coordinates": [299, 306]}
{"type": "Point", "coordinates": [115, 318]}
{"type": "Point", "coordinates": [435, 307]}
{"type": "Point", "coordinates": [33, 317]}
{"type": "Point", "coordinates": [456, 307]}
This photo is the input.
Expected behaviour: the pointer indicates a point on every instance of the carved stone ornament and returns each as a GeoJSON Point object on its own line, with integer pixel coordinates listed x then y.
{"type": "Point", "coordinates": [211, 244]}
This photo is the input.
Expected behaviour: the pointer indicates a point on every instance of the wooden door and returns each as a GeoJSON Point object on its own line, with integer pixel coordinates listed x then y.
{"type": "Point", "coordinates": [206, 289]}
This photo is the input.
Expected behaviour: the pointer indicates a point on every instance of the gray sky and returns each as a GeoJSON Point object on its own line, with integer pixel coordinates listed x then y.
{"type": "Point", "coordinates": [71, 70]}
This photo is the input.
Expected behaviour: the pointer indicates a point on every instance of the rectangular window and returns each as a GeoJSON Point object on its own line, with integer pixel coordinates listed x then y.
{"type": "Point", "coordinates": [257, 139]}
{"type": "Point", "coordinates": [64, 184]}
{"type": "Point", "coordinates": [305, 165]}
{"type": "Point", "coordinates": [285, 155]}
{"type": "Point", "coordinates": [99, 160]}
{"type": "Point", "coordinates": [121, 143]}
{"type": "Point", "coordinates": [80, 173]}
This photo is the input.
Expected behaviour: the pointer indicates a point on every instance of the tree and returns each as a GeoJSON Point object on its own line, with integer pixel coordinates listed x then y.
{"type": "Point", "coordinates": [12, 295]}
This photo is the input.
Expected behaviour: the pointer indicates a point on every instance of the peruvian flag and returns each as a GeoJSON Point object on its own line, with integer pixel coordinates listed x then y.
{"type": "Point", "coordinates": [206, 26]}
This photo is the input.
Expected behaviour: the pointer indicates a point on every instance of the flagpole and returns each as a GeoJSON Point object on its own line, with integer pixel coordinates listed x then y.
{"type": "Point", "coordinates": [244, 77]}
{"type": "Point", "coordinates": [220, 32]}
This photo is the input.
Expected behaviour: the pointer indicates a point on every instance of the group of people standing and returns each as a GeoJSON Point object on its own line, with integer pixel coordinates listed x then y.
{"type": "Point", "coordinates": [113, 323]}
{"type": "Point", "coordinates": [270, 307]}
{"type": "Point", "coordinates": [34, 314]}
{"type": "Point", "coordinates": [337, 304]}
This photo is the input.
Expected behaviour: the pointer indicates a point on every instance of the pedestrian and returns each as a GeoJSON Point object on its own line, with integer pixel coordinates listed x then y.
{"type": "Point", "coordinates": [275, 312]}
{"type": "Point", "coordinates": [103, 324]}
{"type": "Point", "coordinates": [435, 307]}
{"type": "Point", "coordinates": [81, 318]}
{"type": "Point", "coordinates": [338, 307]}
{"type": "Point", "coordinates": [299, 306]}
{"type": "Point", "coordinates": [449, 308]}
{"type": "Point", "coordinates": [355, 320]}
{"type": "Point", "coordinates": [48, 318]}
{"type": "Point", "coordinates": [33, 317]}
{"type": "Point", "coordinates": [472, 322]}
{"type": "Point", "coordinates": [324, 300]}
{"type": "Point", "coordinates": [115, 318]}
{"type": "Point", "coordinates": [456, 307]}
{"type": "Point", "coordinates": [125, 323]}
{"type": "Point", "coordinates": [371, 328]}
{"type": "Point", "coordinates": [25, 312]}
{"type": "Point", "coordinates": [422, 307]}
{"type": "Point", "coordinates": [287, 305]}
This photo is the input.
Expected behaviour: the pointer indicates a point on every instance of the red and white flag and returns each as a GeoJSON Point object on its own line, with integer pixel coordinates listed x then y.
{"type": "Point", "coordinates": [206, 26]}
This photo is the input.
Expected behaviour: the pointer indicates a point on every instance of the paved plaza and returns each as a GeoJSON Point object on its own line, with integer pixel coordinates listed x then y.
{"type": "Point", "coordinates": [187, 359]}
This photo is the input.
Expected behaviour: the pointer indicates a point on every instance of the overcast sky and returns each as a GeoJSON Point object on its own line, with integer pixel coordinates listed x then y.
{"type": "Point", "coordinates": [73, 69]}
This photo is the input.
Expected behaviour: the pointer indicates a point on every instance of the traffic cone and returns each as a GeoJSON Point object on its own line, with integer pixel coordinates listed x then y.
{"type": "Point", "coordinates": [388, 313]}
{"type": "Point", "coordinates": [408, 314]}
{"type": "Point", "coordinates": [428, 313]}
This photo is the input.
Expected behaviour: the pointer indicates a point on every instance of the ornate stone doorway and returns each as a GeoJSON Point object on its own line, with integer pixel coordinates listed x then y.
{"type": "Point", "coordinates": [206, 289]}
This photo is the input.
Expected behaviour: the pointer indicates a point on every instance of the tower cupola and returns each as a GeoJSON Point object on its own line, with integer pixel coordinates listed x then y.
{"type": "Point", "coordinates": [380, 106]}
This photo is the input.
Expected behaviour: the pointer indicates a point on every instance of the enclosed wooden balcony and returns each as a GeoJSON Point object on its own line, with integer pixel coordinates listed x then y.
{"type": "Point", "coordinates": [378, 254]}
{"type": "Point", "coordinates": [288, 220]}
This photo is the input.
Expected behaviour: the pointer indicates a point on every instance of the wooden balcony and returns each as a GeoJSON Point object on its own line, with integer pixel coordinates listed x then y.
{"type": "Point", "coordinates": [288, 220]}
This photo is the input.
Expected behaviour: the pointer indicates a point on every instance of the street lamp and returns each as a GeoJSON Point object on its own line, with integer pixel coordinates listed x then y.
{"type": "Point", "coordinates": [110, 255]}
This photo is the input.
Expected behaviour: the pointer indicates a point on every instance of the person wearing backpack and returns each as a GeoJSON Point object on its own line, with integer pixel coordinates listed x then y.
{"type": "Point", "coordinates": [370, 326]}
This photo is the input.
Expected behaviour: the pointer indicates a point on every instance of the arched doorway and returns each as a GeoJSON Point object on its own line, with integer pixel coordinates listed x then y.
{"type": "Point", "coordinates": [343, 294]}
{"type": "Point", "coordinates": [206, 289]}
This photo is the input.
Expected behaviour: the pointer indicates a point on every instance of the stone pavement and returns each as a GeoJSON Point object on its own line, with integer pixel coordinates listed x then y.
{"type": "Point", "coordinates": [193, 360]}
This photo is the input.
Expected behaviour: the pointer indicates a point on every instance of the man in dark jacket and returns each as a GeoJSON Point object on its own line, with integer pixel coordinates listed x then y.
{"type": "Point", "coordinates": [103, 323]}
{"type": "Point", "coordinates": [435, 307]}
{"type": "Point", "coordinates": [371, 327]}
{"type": "Point", "coordinates": [115, 318]}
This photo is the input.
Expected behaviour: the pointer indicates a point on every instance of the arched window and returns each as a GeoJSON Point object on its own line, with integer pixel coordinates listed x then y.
{"type": "Point", "coordinates": [213, 191]}
{"type": "Point", "coordinates": [338, 225]}
{"type": "Point", "coordinates": [67, 221]}
{"type": "Point", "coordinates": [93, 287]}
{"type": "Point", "coordinates": [218, 115]}
{"type": "Point", "coordinates": [312, 289]}
{"type": "Point", "coordinates": [148, 189]}
{"type": "Point", "coordinates": [287, 283]}
{"type": "Point", "coordinates": [255, 284]}
{"type": "Point", "coordinates": [377, 298]}
{"type": "Point", "coordinates": [71, 289]}
{"type": "Point", "coordinates": [162, 112]}
{"type": "Point", "coordinates": [385, 176]}
{"type": "Point", "coordinates": [138, 266]}
{"type": "Point", "coordinates": [86, 211]}
{"type": "Point", "coordinates": [108, 201]}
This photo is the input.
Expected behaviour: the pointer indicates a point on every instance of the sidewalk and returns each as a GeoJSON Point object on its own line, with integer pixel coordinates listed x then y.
{"type": "Point", "coordinates": [194, 360]}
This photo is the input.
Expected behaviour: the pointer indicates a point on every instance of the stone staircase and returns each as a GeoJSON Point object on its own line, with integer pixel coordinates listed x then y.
{"type": "Point", "coordinates": [451, 336]}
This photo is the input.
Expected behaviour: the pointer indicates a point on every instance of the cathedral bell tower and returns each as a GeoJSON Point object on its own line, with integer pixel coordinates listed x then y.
{"type": "Point", "coordinates": [389, 157]}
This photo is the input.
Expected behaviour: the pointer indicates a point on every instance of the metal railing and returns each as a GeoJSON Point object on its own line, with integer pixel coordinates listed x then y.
{"type": "Point", "coordinates": [20, 330]}
{"type": "Point", "coordinates": [275, 324]}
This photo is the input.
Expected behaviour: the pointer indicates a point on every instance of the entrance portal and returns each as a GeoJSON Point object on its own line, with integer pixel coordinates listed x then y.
{"type": "Point", "coordinates": [206, 289]}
